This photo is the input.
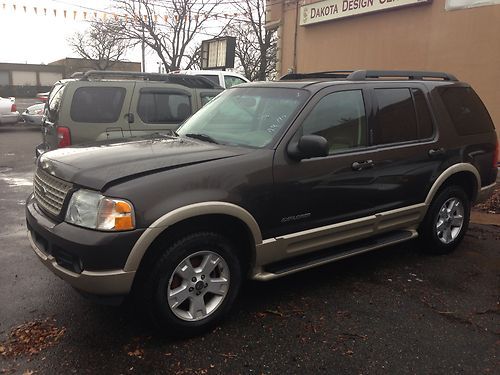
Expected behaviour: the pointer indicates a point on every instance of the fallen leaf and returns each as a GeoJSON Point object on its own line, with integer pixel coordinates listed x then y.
{"type": "Point", "coordinates": [136, 353]}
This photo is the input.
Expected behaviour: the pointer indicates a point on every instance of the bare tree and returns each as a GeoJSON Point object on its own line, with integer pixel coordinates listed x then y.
{"type": "Point", "coordinates": [255, 45]}
{"type": "Point", "coordinates": [103, 43]}
{"type": "Point", "coordinates": [168, 27]}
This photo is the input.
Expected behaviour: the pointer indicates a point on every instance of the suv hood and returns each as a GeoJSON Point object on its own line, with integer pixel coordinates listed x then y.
{"type": "Point", "coordinates": [99, 164]}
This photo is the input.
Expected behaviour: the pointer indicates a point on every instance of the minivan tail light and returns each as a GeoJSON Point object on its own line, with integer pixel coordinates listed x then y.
{"type": "Point", "coordinates": [63, 136]}
{"type": "Point", "coordinates": [13, 107]}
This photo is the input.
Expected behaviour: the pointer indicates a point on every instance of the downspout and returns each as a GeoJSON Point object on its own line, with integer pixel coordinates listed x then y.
{"type": "Point", "coordinates": [295, 37]}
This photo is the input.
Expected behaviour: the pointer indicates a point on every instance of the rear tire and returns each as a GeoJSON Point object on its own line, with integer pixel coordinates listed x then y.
{"type": "Point", "coordinates": [446, 221]}
{"type": "Point", "coordinates": [192, 285]}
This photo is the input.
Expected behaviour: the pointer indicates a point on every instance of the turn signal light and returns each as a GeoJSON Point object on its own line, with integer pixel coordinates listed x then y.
{"type": "Point", "coordinates": [115, 214]}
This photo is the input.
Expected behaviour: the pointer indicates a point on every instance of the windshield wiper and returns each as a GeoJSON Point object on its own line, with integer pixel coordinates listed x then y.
{"type": "Point", "coordinates": [202, 137]}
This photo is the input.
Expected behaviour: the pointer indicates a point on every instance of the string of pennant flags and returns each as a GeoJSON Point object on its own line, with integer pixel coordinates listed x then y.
{"type": "Point", "coordinates": [89, 14]}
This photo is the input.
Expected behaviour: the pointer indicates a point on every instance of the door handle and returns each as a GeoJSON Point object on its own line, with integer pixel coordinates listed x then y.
{"type": "Point", "coordinates": [360, 165]}
{"type": "Point", "coordinates": [436, 152]}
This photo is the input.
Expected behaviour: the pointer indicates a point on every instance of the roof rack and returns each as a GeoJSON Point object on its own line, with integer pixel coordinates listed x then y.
{"type": "Point", "coordinates": [343, 74]}
{"type": "Point", "coordinates": [362, 75]}
{"type": "Point", "coordinates": [180, 79]}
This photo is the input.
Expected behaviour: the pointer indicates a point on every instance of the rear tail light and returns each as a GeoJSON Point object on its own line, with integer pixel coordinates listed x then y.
{"type": "Point", "coordinates": [13, 107]}
{"type": "Point", "coordinates": [64, 136]}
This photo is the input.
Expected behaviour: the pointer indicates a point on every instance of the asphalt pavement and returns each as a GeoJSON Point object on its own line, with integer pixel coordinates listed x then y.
{"type": "Point", "coordinates": [394, 311]}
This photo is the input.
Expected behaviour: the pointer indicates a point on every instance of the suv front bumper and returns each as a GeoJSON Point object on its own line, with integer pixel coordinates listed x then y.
{"type": "Point", "coordinates": [65, 249]}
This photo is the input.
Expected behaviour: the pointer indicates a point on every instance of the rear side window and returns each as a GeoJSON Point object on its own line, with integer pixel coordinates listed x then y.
{"type": "Point", "coordinates": [425, 127]}
{"type": "Point", "coordinates": [396, 120]}
{"type": "Point", "coordinates": [163, 107]}
{"type": "Point", "coordinates": [467, 111]}
{"type": "Point", "coordinates": [211, 77]}
{"type": "Point", "coordinates": [97, 104]}
{"type": "Point", "coordinates": [230, 81]}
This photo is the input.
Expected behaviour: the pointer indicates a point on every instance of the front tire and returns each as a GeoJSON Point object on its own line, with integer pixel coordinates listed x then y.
{"type": "Point", "coordinates": [446, 221]}
{"type": "Point", "coordinates": [193, 284]}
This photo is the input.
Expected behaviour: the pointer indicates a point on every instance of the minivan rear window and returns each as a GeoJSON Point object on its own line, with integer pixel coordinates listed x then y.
{"type": "Point", "coordinates": [97, 104]}
{"type": "Point", "coordinates": [467, 111]}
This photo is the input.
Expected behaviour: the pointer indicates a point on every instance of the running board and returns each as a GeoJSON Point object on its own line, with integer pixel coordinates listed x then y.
{"type": "Point", "coordinates": [304, 262]}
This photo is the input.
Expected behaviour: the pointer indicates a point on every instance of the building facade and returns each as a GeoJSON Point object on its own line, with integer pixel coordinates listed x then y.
{"type": "Point", "coordinates": [72, 65]}
{"type": "Point", "coordinates": [456, 36]}
{"type": "Point", "coordinates": [26, 80]}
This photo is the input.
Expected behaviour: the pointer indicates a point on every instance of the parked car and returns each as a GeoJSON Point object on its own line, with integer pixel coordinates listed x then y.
{"type": "Point", "coordinates": [8, 111]}
{"type": "Point", "coordinates": [43, 96]}
{"type": "Point", "coordinates": [33, 114]}
{"type": "Point", "coordinates": [101, 105]}
{"type": "Point", "coordinates": [268, 179]}
{"type": "Point", "coordinates": [220, 77]}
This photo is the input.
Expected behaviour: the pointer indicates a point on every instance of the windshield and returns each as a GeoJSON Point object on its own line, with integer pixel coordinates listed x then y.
{"type": "Point", "coordinates": [246, 116]}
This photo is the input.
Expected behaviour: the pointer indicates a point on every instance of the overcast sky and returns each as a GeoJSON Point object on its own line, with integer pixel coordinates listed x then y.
{"type": "Point", "coordinates": [35, 38]}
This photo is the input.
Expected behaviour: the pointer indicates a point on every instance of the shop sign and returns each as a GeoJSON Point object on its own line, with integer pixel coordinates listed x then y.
{"type": "Point", "coordinates": [464, 4]}
{"type": "Point", "coordinates": [334, 9]}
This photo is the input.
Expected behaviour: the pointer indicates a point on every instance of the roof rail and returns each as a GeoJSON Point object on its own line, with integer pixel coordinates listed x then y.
{"type": "Point", "coordinates": [362, 75]}
{"type": "Point", "coordinates": [181, 79]}
{"type": "Point", "coordinates": [342, 74]}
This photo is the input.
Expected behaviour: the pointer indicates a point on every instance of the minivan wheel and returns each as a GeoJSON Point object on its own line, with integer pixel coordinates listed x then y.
{"type": "Point", "coordinates": [193, 284]}
{"type": "Point", "coordinates": [446, 221]}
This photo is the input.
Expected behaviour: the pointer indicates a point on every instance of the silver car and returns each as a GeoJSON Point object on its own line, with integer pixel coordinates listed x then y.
{"type": "Point", "coordinates": [33, 114]}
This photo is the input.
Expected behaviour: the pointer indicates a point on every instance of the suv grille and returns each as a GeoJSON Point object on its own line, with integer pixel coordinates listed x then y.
{"type": "Point", "coordinates": [50, 192]}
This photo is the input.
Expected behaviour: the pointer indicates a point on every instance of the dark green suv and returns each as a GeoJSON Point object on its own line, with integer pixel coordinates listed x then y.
{"type": "Point", "coordinates": [266, 180]}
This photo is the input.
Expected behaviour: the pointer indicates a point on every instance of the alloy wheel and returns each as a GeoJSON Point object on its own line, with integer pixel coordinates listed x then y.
{"type": "Point", "coordinates": [450, 220]}
{"type": "Point", "coordinates": [198, 286]}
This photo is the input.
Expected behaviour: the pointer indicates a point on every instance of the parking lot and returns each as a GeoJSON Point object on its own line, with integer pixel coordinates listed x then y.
{"type": "Point", "coordinates": [391, 311]}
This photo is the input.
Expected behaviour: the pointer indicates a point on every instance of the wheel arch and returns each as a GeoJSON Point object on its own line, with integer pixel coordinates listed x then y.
{"type": "Point", "coordinates": [462, 174]}
{"type": "Point", "coordinates": [204, 212]}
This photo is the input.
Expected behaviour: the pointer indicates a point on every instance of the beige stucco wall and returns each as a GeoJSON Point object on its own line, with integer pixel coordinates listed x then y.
{"type": "Point", "coordinates": [421, 37]}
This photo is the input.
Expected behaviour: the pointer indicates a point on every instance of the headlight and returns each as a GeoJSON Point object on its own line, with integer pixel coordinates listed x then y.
{"type": "Point", "coordinates": [90, 209]}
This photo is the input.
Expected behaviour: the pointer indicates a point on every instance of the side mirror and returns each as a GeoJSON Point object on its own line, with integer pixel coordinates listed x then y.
{"type": "Point", "coordinates": [307, 147]}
